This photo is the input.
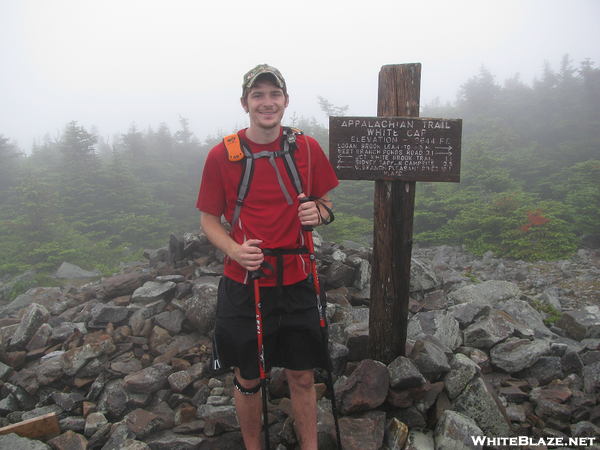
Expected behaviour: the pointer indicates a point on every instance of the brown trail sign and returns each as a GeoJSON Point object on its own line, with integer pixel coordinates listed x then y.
{"type": "Point", "coordinates": [403, 148]}
{"type": "Point", "coordinates": [395, 149]}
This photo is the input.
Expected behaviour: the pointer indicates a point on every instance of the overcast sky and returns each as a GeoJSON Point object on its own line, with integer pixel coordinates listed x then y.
{"type": "Point", "coordinates": [111, 63]}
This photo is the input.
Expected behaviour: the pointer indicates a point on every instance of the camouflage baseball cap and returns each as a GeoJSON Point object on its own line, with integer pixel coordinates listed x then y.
{"type": "Point", "coordinates": [251, 76]}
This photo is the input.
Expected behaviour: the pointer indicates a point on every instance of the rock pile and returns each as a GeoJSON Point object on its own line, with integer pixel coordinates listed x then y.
{"type": "Point", "coordinates": [123, 362]}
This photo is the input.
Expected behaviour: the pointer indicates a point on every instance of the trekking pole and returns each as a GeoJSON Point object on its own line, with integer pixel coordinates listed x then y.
{"type": "Point", "coordinates": [261, 355]}
{"type": "Point", "coordinates": [308, 229]}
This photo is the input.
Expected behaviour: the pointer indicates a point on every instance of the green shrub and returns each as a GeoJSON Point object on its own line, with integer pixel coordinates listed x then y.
{"type": "Point", "coordinates": [20, 287]}
{"type": "Point", "coordinates": [553, 314]}
{"type": "Point", "coordinates": [511, 225]}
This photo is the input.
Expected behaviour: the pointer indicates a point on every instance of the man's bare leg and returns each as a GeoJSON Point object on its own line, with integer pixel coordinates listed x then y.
{"type": "Point", "coordinates": [249, 412]}
{"type": "Point", "coordinates": [304, 406]}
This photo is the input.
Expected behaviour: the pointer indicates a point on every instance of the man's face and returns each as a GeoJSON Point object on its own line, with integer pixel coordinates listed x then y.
{"type": "Point", "coordinates": [265, 104]}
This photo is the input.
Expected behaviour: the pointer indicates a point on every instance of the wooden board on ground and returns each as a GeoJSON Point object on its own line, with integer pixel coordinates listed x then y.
{"type": "Point", "coordinates": [46, 425]}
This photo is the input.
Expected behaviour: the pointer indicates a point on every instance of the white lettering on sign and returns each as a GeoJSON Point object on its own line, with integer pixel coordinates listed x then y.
{"type": "Point", "coordinates": [390, 123]}
{"type": "Point", "coordinates": [396, 146]}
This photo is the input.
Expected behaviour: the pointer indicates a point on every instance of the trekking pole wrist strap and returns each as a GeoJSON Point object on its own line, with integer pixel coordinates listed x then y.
{"type": "Point", "coordinates": [321, 204]}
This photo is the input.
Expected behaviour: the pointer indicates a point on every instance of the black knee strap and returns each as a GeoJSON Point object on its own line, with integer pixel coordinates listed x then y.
{"type": "Point", "coordinates": [243, 390]}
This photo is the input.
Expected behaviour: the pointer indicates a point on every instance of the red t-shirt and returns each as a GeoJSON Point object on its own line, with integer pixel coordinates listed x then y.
{"type": "Point", "coordinates": [265, 213]}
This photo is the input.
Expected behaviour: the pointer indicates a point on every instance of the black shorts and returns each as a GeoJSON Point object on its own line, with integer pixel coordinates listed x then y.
{"type": "Point", "coordinates": [292, 333]}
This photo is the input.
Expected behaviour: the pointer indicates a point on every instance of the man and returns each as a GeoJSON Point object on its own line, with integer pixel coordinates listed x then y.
{"type": "Point", "coordinates": [271, 216]}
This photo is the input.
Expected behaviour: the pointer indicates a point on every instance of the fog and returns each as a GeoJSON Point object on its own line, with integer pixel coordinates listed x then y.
{"type": "Point", "coordinates": [109, 64]}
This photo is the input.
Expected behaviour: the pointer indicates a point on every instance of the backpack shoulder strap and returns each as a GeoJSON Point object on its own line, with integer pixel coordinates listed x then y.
{"type": "Point", "coordinates": [237, 150]}
{"type": "Point", "coordinates": [289, 145]}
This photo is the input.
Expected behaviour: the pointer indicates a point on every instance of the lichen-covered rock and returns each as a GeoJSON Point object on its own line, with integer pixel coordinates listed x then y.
{"type": "Point", "coordinates": [438, 324]}
{"type": "Point", "coordinates": [479, 403]}
{"type": "Point", "coordinates": [488, 331]}
{"type": "Point", "coordinates": [455, 431]}
{"type": "Point", "coordinates": [35, 315]}
{"type": "Point", "coordinates": [487, 293]}
{"type": "Point", "coordinates": [463, 369]}
{"type": "Point", "coordinates": [152, 291]}
{"type": "Point", "coordinates": [148, 380]}
{"type": "Point", "coordinates": [516, 354]}
{"type": "Point", "coordinates": [430, 359]}
{"type": "Point", "coordinates": [423, 277]}
{"type": "Point", "coordinates": [200, 309]}
{"type": "Point", "coordinates": [582, 323]}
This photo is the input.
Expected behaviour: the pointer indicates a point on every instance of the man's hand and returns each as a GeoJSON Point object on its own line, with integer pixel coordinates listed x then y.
{"type": "Point", "coordinates": [249, 255]}
{"type": "Point", "coordinates": [308, 213]}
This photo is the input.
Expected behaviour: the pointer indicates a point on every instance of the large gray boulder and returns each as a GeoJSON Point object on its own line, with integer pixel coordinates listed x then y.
{"type": "Point", "coordinates": [438, 324]}
{"type": "Point", "coordinates": [430, 359]}
{"type": "Point", "coordinates": [466, 313]}
{"type": "Point", "coordinates": [102, 314]}
{"type": "Point", "coordinates": [487, 293]}
{"type": "Point", "coordinates": [455, 431]}
{"type": "Point", "coordinates": [14, 442]}
{"type": "Point", "coordinates": [463, 370]}
{"type": "Point", "coordinates": [20, 280]}
{"type": "Point", "coordinates": [423, 277]}
{"type": "Point", "coordinates": [479, 402]}
{"type": "Point", "coordinates": [68, 271]}
{"type": "Point", "coordinates": [75, 359]}
{"type": "Point", "coordinates": [524, 315]}
{"type": "Point", "coordinates": [488, 331]}
{"type": "Point", "coordinates": [152, 291]}
{"type": "Point", "coordinates": [42, 295]}
{"type": "Point", "coordinates": [591, 378]}
{"type": "Point", "coordinates": [201, 308]}
{"type": "Point", "coordinates": [34, 317]}
{"type": "Point", "coordinates": [516, 354]}
{"type": "Point", "coordinates": [148, 380]}
{"type": "Point", "coordinates": [581, 323]}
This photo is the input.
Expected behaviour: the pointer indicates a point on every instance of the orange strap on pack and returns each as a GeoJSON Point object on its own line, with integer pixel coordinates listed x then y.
{"type": "Point", "coordinates": [234, 147]}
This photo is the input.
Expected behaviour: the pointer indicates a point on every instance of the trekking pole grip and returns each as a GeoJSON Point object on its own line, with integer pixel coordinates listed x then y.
{"type": "Point", "coordinates": [306, 227]}
{"type": "Point", "coordinates": [256, 274]}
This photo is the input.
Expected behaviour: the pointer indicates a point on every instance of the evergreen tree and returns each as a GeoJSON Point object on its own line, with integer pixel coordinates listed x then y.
{"type": "Point", "coordinates": [9, 163]}
{"type": "Point", "coordinates": [136, 151]}
{"type": "Point", "coordinates": [479, 95]}
{"type": "Point", "coordinates": [580, 190]}
{"type": "Point", "coordinates": [79, 189]}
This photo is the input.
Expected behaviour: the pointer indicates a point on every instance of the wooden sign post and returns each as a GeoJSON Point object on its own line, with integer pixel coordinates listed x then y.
{"type": "Point", "coordinates": [395, 149]}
